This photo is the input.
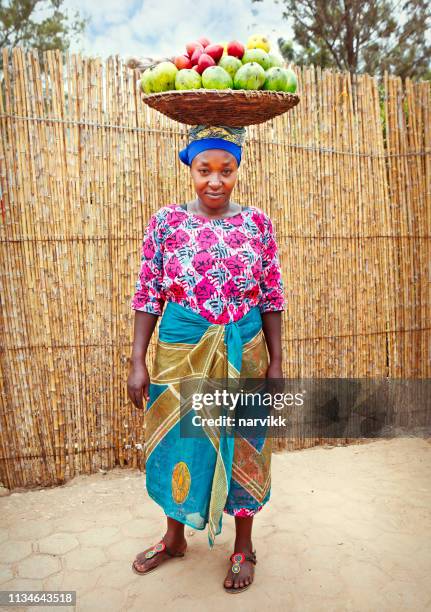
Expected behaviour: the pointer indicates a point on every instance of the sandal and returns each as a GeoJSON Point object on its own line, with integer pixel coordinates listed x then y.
{"type": "Point", "coordinates": [237, 559]}
{"type": "Point", "coordinates": [157, 548]}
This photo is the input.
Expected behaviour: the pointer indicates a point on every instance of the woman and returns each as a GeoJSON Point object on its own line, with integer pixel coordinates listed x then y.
{"type": "Point", "coordinates": [215, 265]}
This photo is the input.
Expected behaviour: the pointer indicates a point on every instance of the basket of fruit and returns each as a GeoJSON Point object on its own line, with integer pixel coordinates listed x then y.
{"type": "Point", "coordinates": [220, 84]}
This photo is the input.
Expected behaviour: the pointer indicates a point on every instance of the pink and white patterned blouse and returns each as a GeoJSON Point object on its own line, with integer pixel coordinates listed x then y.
{"type": "Point", "coordinates": [220, 268]}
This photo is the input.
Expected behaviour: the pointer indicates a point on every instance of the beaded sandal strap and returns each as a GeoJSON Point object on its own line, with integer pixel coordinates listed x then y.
{"type": "Point", "coordinates": [157, 548]}
{"type": "Point", "coordinates": [237, 559]}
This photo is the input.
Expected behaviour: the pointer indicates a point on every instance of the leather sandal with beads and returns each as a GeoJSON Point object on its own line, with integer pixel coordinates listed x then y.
{"type": "Point", "coordinates": [157, 549]}
{"type": "Point", "coordinates": [237, 559]}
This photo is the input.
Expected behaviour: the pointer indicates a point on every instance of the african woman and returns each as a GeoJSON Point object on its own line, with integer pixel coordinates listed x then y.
{"type": "Point", "coordinates": [210, 269]}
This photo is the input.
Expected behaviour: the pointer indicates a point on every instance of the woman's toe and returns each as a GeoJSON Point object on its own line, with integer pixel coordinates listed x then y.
{"type": "Point", "coordinates": [143, 565]}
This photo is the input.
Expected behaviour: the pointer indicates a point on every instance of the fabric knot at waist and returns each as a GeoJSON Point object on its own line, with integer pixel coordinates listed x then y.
{"type": "Point", "coordinates": [236, 333]}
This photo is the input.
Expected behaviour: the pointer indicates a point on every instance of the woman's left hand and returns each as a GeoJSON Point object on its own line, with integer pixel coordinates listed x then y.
{"type": "Point", "coordinates": [274, 370]}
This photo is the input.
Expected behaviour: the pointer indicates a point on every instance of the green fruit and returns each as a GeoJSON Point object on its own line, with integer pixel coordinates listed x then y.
{"type": "Point", "coordinates": [257, 55]}
{"type": "Point", "coordinates": [250, 76]}
{"type": "Point", "coordinates": [231, 64]}
{"type": "Point", "coordinates": [147, 81]}
{"type": "Point", "coordinates": [292, 81]}
{"type": "Point", "coordinates": [275, 60]}
{"type": "Point", "coordinates": [276, 79]}
{"type": "Point", "coordinates": [164, 75]}
{"type": "Point", "coordinates": [216, 77]}
{"type": "Point", "coordinates": [188, 79]}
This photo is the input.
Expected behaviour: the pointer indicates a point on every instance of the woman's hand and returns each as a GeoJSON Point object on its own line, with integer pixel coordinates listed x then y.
{"type": "Point", "coordinates": [138, 384]}
{"type": "Point", "coordinates": [275, 371]}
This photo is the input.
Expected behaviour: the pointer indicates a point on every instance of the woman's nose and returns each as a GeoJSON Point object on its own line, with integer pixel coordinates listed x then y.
{"type": "Point", "coordinates": [214, 180]}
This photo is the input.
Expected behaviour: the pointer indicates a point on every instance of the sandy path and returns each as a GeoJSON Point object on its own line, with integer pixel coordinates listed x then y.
{"type": "Point", "coordinates": [347, 529]}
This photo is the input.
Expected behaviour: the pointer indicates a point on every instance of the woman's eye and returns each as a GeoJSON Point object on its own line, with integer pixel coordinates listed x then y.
{"type": "Point", "coordinates": [227, 171]}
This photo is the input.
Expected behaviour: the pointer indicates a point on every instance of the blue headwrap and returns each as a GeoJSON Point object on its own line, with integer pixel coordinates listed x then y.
{"type": "Point", "coordinates": [203, 137]}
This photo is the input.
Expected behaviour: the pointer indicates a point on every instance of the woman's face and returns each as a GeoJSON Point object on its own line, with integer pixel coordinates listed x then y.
{"type": "Point", "coordinates": [214, 174]}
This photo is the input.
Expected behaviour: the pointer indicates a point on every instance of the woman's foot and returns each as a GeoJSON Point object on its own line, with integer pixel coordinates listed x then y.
{"type": "Point", "coordinates": [175, 547]}
{"type": "Point", "coordinates": [245, 576]}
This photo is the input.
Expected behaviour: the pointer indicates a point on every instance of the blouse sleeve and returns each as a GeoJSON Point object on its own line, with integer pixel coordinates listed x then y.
{"type": "Point", "coordinates": [148, 296]}
{"type": "Point", "coordinates": [271, 282]}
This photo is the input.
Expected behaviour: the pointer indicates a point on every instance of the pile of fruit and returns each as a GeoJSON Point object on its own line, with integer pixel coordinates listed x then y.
{"type": "Point", "coordinates": [221, 66]}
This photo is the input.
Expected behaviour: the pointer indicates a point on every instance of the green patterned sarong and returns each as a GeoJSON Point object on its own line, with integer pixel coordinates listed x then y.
{"type": "Point", "coordinates": [195, 479]}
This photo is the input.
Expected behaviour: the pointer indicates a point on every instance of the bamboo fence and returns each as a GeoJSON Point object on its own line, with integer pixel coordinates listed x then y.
{"type": "Point", "coordinates": [83, 165]}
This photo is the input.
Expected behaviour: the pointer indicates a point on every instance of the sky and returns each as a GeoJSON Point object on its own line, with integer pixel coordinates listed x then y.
{"type": "Point", "coordinates": [160, 28]}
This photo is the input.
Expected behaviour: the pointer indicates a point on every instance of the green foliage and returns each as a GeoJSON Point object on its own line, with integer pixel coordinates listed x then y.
{"type": "Point", "coordinates": [371, 36]}
{"type": "Point", "coordinates": [20, 26]}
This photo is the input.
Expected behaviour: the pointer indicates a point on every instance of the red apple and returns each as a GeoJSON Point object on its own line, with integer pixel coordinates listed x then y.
{"type": "Point", "coordinates": [196, 55]}
{"type": "Point", "coordinates": [205, 61]}
{"type": "Point", "coordinates": [236, 49]}
{"type": "Point", "coordinates": [182, 61]}
{"type": "Point", "coordinates": [204, 41]}
{"type": "Point", "coordinates": [216, 51]}
{"type": "Point", "coordinates": [191, 47]}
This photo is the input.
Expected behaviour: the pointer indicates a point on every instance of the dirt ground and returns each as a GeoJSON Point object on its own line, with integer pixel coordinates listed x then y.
{"type": "Point", "coordinates": [347, 529]}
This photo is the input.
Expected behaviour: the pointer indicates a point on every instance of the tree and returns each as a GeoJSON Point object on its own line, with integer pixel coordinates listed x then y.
{"type": "Point", "coordinates": [360, 36]}
{"type": "Point", "coordinates": [19, 26]}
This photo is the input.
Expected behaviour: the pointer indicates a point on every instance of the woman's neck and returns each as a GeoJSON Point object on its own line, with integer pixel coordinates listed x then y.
{"type": "Point", "coordinates": [227, 210]}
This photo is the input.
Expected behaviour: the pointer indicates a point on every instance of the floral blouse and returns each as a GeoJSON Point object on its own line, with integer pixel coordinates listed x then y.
{"type": "Point", "coordinates": [220, 268]}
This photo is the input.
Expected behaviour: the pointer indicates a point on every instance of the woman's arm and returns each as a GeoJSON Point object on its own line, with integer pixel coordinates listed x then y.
{"type": "Point", "coordinates": [271, 326]}
{"type": "Point", "coordinates": [272, 301]}
{"type": "Point", "coordinates": [147, 303]}
{"type": "Point", "coordinates": [145, 324]}
{"type": "Point", "coordinates": [138, 382]}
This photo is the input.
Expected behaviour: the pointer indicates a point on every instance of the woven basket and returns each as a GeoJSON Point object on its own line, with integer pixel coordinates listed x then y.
{"type": "Point", "coordinates": [231, 107]}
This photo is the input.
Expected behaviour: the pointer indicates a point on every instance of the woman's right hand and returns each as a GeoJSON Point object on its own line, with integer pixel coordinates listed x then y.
{"type": "Point", "coordinates": [138, 384]}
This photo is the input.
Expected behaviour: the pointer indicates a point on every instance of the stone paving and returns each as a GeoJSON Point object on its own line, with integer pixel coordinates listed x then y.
{"type": "Point", "coordinates": [348, 529]}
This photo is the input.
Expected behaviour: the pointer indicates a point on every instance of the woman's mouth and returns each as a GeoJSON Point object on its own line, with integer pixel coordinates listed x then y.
{"type": "Point", "coordinates": [215, 195]}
